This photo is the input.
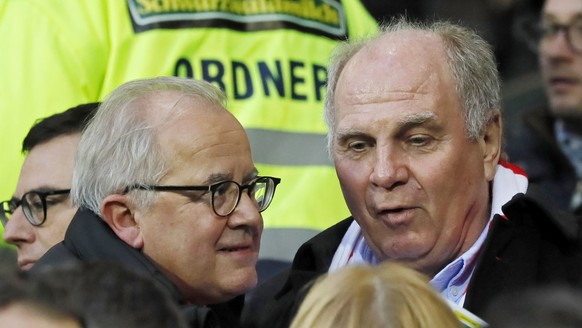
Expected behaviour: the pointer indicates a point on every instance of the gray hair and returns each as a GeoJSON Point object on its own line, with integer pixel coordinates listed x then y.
{"type": "Point", "coordinates": [469, 57]}
{"type": "Point", "coordinates": [119, 146]}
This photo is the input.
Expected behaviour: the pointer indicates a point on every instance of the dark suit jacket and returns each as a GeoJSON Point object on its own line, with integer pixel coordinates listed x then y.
{"type": "Point", "coordinates": [532, 145]}
{"type": "Point", "coordinates": [527, 248]}
{"type": "Point", "coordinates": [89, 238]}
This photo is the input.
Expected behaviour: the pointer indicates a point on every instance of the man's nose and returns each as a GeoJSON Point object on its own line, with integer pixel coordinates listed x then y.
{"type": "Point", "coordinates": [18, 229]}
{"type": "Point", "coordinates": [246, 213]}
{"type": "Point", "coordinates": [390, 168]}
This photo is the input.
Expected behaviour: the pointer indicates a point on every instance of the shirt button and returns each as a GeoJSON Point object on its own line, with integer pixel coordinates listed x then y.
{"type": "Point", "coordinates": [455, 291]}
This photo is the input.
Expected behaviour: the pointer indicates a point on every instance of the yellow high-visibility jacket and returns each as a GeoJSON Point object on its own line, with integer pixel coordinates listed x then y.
{"type": "Point", "coordinates": [269, 56]}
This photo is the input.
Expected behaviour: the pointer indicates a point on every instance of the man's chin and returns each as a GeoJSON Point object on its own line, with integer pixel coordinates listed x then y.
{"type": "Point", "coordinates": [571, 116]}
{"type": "Point", "coordinates": [26, 266]}
{"type": "Point", "coordinates": [569, 109]}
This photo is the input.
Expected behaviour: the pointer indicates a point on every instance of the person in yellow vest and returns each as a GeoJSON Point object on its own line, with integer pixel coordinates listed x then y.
{"type": "Point", "coordinates": [269, 56]}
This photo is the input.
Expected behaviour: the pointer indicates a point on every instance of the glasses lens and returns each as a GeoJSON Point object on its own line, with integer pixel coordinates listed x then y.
{"type": "Point", "coordinates": [263, 192]}
{"type": "Point", "coordinates": [576, 36]}
{"type": "Point", "coordinates": [33, 207]}
{"type": "Point", "coordinates": [225, 197]}
{"type": "Point", "coordinates": [5, 212]}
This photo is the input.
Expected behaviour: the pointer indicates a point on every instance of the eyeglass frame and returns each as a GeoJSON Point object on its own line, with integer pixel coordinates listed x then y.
{"type": "Point", "coordinates": [554, 30]}
{"type": "Point", "coordinates": [531, 30]}
{"type": "Point", "coordinates": [212, 189]}
{"type": "Point", "coordinates": [14, 203]}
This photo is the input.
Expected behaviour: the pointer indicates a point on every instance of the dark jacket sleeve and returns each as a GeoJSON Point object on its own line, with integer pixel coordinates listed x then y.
{"type": "Point", "coordinates": [531, 246]}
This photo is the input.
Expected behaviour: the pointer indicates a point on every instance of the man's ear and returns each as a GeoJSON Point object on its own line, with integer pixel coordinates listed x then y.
{"type": "Point", "coordinates": [117, 213]}
{"type": "Point", "coordinates": [491, 145]}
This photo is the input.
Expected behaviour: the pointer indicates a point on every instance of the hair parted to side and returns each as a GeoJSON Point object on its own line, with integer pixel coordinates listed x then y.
{"type": "Point", "coordinates": [119, 147]}
{"type": "Point", "coordinates": [71, 121]}
{"type": "Point", "coordinates": [389, 295]}
{"type": "Point", "coordinates": [469, 56]}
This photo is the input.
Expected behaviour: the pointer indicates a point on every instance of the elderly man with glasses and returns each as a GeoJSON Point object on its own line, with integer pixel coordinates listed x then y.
{"type": "Point", "coordinates": [166, 185]}
{"type": "Point", "coordinates": [36, 217]}
{"type": "Point", "coordinates": [547, 142]}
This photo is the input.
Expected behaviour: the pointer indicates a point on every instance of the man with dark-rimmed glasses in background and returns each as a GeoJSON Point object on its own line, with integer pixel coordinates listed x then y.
{"type": "Point", "coordinates": [547, 141]}
{"type": "Point", "coordinates": [37, 216]}
{"type": "Point", "coordinates": [166, 185]}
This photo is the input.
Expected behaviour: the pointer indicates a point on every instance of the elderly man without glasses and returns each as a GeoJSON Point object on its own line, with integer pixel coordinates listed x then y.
{"type": "Point", "coordinates": [415, 134]}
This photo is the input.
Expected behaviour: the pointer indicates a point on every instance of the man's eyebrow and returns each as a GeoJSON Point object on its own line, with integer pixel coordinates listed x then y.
{"type": "Point", "coordinates": [552, 17]}
{"type": "Point", "coordinates": [44, 188]}
{"type": "Point", "coordinates": [217, 177]}
{"type": "Point", "coordinates": [220, 177]}
{"type": "Point", "coordinates": [403, 124]}
{"type": "Point", "coordinates": [416, 119]}
{"type": "Point", "coordinates": [349, 133]}
{"type": "Point", "coordinates": [251, 175]}
{"type": "Point", "coordinates": [41, 189]}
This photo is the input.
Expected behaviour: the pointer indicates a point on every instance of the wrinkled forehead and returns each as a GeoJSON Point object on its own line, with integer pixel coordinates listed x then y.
{"type": "Point", "coordinates": [397, 64]}
{"type": "Point", "coordinates": [403, 54]}
{"type": "Point", "coordinates": [196, 136]}
{"type": "Point", "coordinates": [49, 165]}
{"type": "Point", "coordinates": [562, 9]}
{"type": "Point", "coordinates": [204, 135]}
{"type": "Point", "coordinates": [164, 106]}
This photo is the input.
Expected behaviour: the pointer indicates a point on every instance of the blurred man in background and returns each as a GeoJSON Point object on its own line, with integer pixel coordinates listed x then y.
{"type": "Point", "coordinates": [547, 141]}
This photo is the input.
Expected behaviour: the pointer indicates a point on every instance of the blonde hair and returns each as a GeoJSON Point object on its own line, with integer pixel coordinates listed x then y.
{"type": "Point", "coordinates": [387, 295]}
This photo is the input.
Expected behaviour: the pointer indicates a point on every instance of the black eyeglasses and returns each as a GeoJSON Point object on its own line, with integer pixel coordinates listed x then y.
{"type": "Point", "coordinates": [226, 194]}
{"type": "Point", "coordinates": [537, 33]}
{"type": "Point", "coordinates": [34, 205]}
{"type": "Point", "coordinates": [573, 33]}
